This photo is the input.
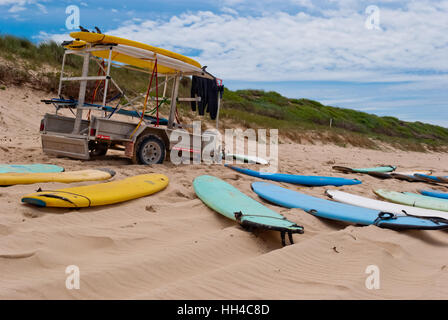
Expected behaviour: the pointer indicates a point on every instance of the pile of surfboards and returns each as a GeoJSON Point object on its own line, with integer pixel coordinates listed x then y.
{"type": "Point", "coordinates": [388, 172]}
{"type": "Point", "coordinates": [428, 211]}
{"type": "Point", "coordinates": [356, 210]}
{"type": "Point", "coordinates": [235, 205]}
{"type": "Point", "coordinates": [84, 196]}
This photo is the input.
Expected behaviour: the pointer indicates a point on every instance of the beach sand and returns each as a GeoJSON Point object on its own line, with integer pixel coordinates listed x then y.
{"type": "Point", "coordinates": [171, 246]}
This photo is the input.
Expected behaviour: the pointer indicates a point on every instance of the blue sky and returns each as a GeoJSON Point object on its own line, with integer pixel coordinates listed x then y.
{"type": "Point", "coordinates": [391, 59]}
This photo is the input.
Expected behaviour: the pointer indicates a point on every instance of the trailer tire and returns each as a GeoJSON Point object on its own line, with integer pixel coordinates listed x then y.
{"type": "Point", "coordinates": [151, 150]}
{"type": "Point", "coordinates": [98, 149]}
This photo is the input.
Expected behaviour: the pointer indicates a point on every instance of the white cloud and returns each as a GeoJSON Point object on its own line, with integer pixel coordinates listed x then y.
{"type": "Point", "coordinates": [412, 44]}
{"type": "Point", "coordinates": [42, 8]}
{"type": "Point", "coordinates": [21, 5]}
{"type": "Point", "coordinates": [304, 3]}
{"type": "Point", "coordinates": [44, 36]}
{"type": "Point", "coordinates": [229, 10]}
{"type": "Point", "coordinates": [232, 2]}
{"type": "Point", "coordinates": [16, 8]}
{"type": "Point", "coordinates": [9, 2]}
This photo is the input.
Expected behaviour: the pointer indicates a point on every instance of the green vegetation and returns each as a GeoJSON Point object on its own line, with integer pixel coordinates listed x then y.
{"type": "Point", "coordinates": [297, 119]}
{"type": "Point", "coordinates": [270, 109]}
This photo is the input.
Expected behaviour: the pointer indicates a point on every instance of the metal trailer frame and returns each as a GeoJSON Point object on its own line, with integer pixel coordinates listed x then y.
{"type": "Point", "coordinates": [62, 138]}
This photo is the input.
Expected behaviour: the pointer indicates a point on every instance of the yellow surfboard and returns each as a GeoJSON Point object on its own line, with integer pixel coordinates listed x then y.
{"type": "Point", "coordinates": [98, 38]}
{"type": "Point", "coordinates": [9, 179]}
{"type": "Point", "coordinates": [101, 193]}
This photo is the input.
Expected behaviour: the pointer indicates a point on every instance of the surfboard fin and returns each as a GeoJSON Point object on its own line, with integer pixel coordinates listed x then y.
{"type": "Point", "coordinates": [249, 225]}
{"type": "Point", "coordinates": [283, 237]}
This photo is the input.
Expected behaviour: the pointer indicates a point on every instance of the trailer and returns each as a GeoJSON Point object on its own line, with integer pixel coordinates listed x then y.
{"type": "Point", "coordinates": [144, 139]}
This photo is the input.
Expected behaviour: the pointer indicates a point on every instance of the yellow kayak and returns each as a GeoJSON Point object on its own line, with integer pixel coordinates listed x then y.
{"type": "Point", "coordinates": [82, 38]}
{"type": "Point", "coordinates": [101, 193]}
{"type": "Point", "coordinates": [9, 179]}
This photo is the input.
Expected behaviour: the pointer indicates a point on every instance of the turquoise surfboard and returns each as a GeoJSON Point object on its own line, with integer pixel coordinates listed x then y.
{"type": "Point", "coordinates": [235, 205]}
{"type": "Point", "coordinates": [364, 170]}
{"type": "Point", "coordinates": [343, 212]}
{"type": "Point", "coordinates": [30, 168]}
{"type": "Point", "coordinates": [413, 199]}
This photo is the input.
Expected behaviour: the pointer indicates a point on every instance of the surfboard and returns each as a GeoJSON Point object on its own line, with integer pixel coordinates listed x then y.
{"type": "Point", "coordinates": [404, 175]}
{"type": "Point", "coordinates": [410, 177]}
{"type": "Point", "coordinates": [98, 38]}
{"type": "Point", "coordinates": [99, 194]}
{"type": "Point", "coordinates": [429, 178]}
{"type": "Point", "coordinates": [364, 170]}
{"type": "Point", "coordinates": [398, 209]}
{"type": "Point", "coordinates": [311, 181]}
{"type": "Point", "coordinates": [413, 199]}
{"type": "Point", "coordinates": [23, 168]}
{"type": "Point", "coordinates": [342, 212]}
{"type": "Point", "coordinates": [434, 193]}
{"type": "Point", "coordinates": [246, 158]}
{"type": "Point", "coordinates": [227, 200]}
{"type": "Point", "coordinates": [8, 179]}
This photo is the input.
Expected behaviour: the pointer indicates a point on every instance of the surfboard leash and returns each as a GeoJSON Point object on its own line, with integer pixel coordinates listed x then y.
{"type": "Point", "coordinates": [63, 198]}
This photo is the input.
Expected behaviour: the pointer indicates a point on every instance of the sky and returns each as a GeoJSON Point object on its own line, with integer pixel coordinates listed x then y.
{"type": "Point", "coordinates": [387, 57]}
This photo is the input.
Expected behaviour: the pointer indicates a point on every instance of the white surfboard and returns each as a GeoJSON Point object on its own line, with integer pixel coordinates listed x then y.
{"type": "Point", "coordinates": [406, 173]}
{"type": "Point", "coordinates": [398, 209]}
{"type": "Point", "coordinates": [246, 158]}
{"type": "Point", "coordinates": [411, 173]}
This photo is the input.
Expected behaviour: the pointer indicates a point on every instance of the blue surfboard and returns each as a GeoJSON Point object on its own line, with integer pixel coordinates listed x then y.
{"type": "Point", "coordinates": [343, 212]}
{"type": "Point", "coordinates": [30, 168]}
{"type": "Point", "coordinates": [311, 181]}
{"type": "Point", "coordinates": [432, 178]}
{"type": "Point", "coordinates": [435, 194]}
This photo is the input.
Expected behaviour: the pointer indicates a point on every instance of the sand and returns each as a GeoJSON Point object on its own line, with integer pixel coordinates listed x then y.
{"type": "Point", "coordinates": [171, 246]}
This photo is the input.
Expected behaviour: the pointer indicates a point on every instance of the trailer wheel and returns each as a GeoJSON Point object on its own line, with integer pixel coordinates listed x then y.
{"type": "Point", "coordinates": [151, 150]}
{"type": "Point", "coordinates": [98, 149]}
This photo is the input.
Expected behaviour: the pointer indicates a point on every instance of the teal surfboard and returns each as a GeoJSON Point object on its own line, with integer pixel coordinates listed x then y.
{"type": "Point", "coordinates": [235, 205]}
{"type": "Point", "coordinates": [365, 170]}
{"type": "Point", "coordinates": [413, 199]}
{"type": "Point", "coordinates": [30, 168]}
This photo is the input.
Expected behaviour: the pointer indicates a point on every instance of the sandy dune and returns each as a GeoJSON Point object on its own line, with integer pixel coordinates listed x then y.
{"type": "Point", "coordinates": [171, 246]}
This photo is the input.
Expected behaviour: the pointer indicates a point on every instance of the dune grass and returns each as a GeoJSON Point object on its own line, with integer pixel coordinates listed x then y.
{"type": "Point", "coordinates": [270, 109]}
